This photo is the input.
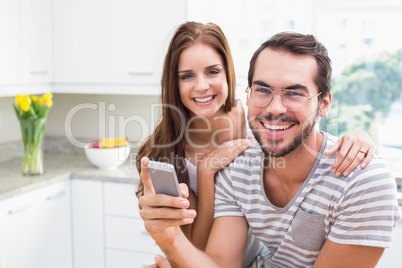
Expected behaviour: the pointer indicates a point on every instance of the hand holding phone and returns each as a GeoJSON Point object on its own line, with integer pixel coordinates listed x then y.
{"type": "Point", "coordinates": [164, 178]}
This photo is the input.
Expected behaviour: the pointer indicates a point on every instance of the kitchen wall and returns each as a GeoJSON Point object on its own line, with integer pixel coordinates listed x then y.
{"type": "Point", "coordinates": [84, 117]}
{"type": "Point", "coordinates": [9, 126]}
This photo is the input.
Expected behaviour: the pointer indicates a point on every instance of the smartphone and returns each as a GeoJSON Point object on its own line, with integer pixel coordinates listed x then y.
{"type": "Point", "coordinates": [164, 178]}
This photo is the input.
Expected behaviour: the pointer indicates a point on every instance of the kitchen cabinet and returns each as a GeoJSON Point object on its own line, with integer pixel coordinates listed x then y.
{"type": "Point", "coordinates": [133, 37]}
{"type": "Point", "coordinates": [36, 41]}
{"type": "Point", "coordinates": [19, 237]}
{"type": "Point", "coordinates": [113, 46]}
{"type": "Point", "coordinates": [87, 223]}
{"type": "Point", "coordinates": [75, 41]}
{"type": "Point", "coordinates": [127, 242]}
{"type": "Point", "coordinates": [35, 229]}
{"type": "Point", "coordinates": [107, 229]}
{"type": "Point", "coordinates": [10, 42]}
{"type": "Point", "coordinates": [25, 46]}
{"type": "Point", "coordinates": [54, 212]}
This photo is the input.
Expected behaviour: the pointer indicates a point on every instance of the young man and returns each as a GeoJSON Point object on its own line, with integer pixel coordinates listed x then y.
{"type": "Point", "coordinates": [281, 187]}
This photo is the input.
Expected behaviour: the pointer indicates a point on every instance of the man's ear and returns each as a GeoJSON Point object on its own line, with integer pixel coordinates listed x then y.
{"type": "Point", "coordinates": [325, 105]}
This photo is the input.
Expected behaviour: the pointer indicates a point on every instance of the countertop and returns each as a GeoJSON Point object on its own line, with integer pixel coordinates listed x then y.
{"type": "Point", "coordinates": [59, 167]}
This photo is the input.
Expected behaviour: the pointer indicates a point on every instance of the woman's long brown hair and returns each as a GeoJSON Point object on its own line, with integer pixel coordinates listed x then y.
{"type": "Point", "coordinates": [167, 143]}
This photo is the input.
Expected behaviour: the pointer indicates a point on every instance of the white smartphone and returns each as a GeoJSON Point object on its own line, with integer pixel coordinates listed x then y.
{"type": "Point", "coordinates": [164, 178]}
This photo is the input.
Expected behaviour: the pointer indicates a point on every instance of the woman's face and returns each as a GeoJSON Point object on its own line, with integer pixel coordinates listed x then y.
{"type": "Point", "coordinates": [202, 80]}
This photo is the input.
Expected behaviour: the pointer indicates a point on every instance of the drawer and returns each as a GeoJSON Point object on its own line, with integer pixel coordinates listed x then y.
{"type": "Point", "coordinates": [120, 199]}
{"type": "Point", "coordinates": [128, 234]}
{"type": "Point", "coordinates": [126, 259]}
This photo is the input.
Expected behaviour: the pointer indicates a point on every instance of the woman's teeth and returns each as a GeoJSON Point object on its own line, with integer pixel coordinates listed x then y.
{"type": "Point", "coordinates": [204, 99]}
{"type": "Point", "coordinates": [277, 127]}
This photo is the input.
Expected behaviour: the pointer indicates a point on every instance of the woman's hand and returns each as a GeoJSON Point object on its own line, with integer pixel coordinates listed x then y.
{"type": "Point", "coordinates": [160, 262]}
{"type": "Point", "coordinates": [163, 214]}
{"type": "Point", "coordinates": [354, 149]}
{"type": "Point", "coordinates": [224, 154]}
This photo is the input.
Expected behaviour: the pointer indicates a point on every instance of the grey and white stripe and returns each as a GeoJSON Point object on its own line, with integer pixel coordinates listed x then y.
{"type": "Point", "coordinates": [359, 209]}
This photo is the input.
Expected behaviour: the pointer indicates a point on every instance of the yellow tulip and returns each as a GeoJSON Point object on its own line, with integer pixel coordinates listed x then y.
{"type": "Point", "coordinates": [25, 103]}
{"type": "Point", "coordinates": [47, 96]}
{"type": "Point", "coordinates": [18, 99]}
{"type": "Point", "coordinates": [49, 103]}
{"type": "Point", "coordinates": [34, 98]}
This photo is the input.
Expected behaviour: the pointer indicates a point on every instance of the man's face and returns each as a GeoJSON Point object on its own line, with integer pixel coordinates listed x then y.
{"type": "Point", "coordinates": [279, 130]}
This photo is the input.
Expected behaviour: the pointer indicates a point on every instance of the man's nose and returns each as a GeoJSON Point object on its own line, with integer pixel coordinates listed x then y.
{"type": "Point", "coordinates": [276, 106]}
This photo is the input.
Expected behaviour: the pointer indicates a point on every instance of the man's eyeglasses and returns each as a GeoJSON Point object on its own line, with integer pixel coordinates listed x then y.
{"type": "Point", "coordinates": [292, 99]}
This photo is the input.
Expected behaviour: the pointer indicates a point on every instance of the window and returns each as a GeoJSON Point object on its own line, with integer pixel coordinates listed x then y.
{"type": "Point", "coordinates": [367, 59]}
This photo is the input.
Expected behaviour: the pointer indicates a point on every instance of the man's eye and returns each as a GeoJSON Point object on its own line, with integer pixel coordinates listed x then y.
{"type": "Point", "coordinates": [294, 93]}
{"type": "Point", "coordinates": [264, 90]}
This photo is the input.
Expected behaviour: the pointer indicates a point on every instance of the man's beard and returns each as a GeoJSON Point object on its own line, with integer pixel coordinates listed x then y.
{"type": "Point", "coordinates": [297, 141]}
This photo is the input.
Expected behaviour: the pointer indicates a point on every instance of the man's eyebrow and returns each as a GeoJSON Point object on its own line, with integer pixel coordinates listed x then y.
{"type": "Point", "coordinates": [295, 86]}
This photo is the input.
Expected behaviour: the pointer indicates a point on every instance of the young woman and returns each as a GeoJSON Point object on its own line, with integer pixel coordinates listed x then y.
{"type": "Point", "coordinates": [203, 128]}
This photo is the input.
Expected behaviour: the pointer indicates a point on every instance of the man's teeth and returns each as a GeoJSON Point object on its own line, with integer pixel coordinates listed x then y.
{"type": "Point", "coordinates": [204, 99]}
{"type": "Point", "coordinates": [277, 127]}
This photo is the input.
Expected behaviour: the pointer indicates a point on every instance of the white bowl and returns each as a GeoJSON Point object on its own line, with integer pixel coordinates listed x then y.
{"type": "Point", "coordinates": [107, 158]}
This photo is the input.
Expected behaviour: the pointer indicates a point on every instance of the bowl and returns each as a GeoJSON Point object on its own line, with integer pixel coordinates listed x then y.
{"type": "Point", "coordinates": [107, 158]}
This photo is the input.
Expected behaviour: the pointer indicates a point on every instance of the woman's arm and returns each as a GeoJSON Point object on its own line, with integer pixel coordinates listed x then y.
{"type": "Point", "coordinates": [353, 149]}
{"type": "Point", "coordinates": [206, 169]}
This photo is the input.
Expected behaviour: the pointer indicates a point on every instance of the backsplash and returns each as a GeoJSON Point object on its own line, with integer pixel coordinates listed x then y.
{"type": "Point", "coordinates": [13, 150]}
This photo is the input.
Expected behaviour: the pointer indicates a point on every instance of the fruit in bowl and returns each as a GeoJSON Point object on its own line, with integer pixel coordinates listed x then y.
{"type": "Point", "coordinates": [108, 153]}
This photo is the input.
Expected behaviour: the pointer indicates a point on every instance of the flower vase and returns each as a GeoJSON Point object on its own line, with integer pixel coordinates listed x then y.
{"type": "Point", "coordinates": [32, 131]}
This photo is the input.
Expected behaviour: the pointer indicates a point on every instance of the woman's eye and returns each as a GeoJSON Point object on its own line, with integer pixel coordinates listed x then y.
{"type": "Point", "coordinates": [213, 72]}
{"type": "Point", "coordinates": [186, 76]}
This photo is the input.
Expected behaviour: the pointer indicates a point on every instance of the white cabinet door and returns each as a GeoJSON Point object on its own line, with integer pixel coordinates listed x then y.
{"type": "Point", "coordinates": [10, 42]}
{"type": "Point", "coordinates": [36, 41]}
{"type": "Point", "coordinates": [126, 259]}
{"type": "Point", "coordinates": [19, 245]}
{"type": "Point", "coordinates": [87, 222]}
{"type": "Point", "coordinates": [75, 41]}
{"type": "Point", "coordinates": [55, 226]}
{"type": "Point", "coordinates": [120, 199]}
{"type": "Point", "coordinates": [133, 37]}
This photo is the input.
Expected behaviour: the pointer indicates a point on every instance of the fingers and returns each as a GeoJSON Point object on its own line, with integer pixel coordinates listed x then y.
{"type": "Point", "coordinates": [161, 262]}
{"type": "Point", "coordinates": [225, 154]}
{"type": "Point", "coordinates": [184, 190]}
{"type": "Point", "coordinates": [334, 147]}
{"type": "Point", "coordinates": [166, 213]}
{"type": "Point", "coordinates": [369, 157]}
{"type": "Point", "coordinates": [350, 162]}
{"type": "Point", "coordinates": [355, 156]}
{"type": "Point", "coordinates": [162, 200]}
{"type": "Point", "coordinates": [145, 178]}
{"type": "Point", "coordinates": [343, 147]}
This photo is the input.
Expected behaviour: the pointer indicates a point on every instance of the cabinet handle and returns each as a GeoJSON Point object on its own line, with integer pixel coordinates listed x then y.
{"type": "Point", "coordinates": [139, 73]}
{"type": "Point", "coordinates": [18, 209]}
{"type": "Point", "coordinates": [55, 196]}
{"type": "Point", "coordinates": [39, 72]}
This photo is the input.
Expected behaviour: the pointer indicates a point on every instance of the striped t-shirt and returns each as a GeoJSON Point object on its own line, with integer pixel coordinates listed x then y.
{"type": "Point", "coordinates": [360, 209]}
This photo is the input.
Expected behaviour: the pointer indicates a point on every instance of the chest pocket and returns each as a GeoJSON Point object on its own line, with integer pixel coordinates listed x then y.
{"type": "Point", "coordinates": [308, 230]}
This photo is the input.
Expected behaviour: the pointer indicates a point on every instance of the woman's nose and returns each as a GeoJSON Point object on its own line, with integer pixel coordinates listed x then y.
{"type": "Point", "coordinates": [202, 84]}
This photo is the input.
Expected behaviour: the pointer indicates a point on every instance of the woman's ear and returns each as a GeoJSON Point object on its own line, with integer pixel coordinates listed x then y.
{"type": "Point", "coordinates": [325, 105]}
